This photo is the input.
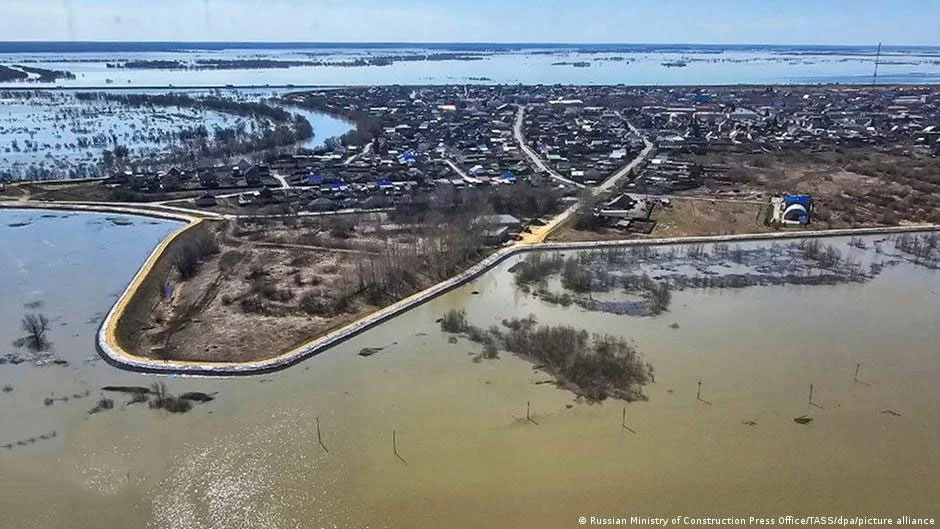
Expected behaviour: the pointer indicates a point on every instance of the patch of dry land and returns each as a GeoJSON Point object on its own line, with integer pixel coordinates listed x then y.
{"type": "Point", "coordinates": [236, 291]}
{"type": "Point", "coordinates": [86, 191]}
{"type": "Point", "coordinates": [698, 216]}
{"type": "Point", "coordinates": [709, 217]}
{"type": "Point", "coordinates": [851, 187]}
{"type": "Point", "coordinates": [683, 218]}
{"type": "Point", "coordinates": [227, 204]}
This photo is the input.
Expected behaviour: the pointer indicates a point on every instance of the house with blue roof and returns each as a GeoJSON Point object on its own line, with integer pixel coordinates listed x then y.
{"type": "Point", "coordinates": [507, 178]}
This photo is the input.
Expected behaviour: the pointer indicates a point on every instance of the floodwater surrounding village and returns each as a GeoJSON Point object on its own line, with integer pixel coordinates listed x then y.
{"type": "Point", "coordinates": [468, 456]}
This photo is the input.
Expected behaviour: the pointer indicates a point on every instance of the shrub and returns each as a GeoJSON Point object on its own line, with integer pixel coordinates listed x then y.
{"type": "Point", "coordinates": [576, 278]}
{"type": "Point", "coordinates": [267, 290]}
{"type": "Point", "coordinates": [170, 403]}
{"type": "Point", "coordinates": [103, 404]}
{"type": "Point", "coordinates": [314, 304]}
{"type": "Point", "coordinates": [889, 217]}
{"type": "Point", "coordinates": [194, 253]}
{"type": "Point", "coordinates": [187, 262]}
{"type": "Point", "coordinates": [659, 297]}
{"type": "Point", "coordinates": [598, 367]}
{"type": "Point", "coordinates": [257, 271]}
{"type": "Point", "coordinates": [342, 227]}
{"type": "Point", "coordinates": [455, 321]}
{"type": "Point", "coordinates": [304, 259]}
{"type": "Point", "coordinates": [177, 405]}
{"type": "Point", "coordinates": [535, 268]}
{"type": "Point", "coordinates": [252, 304]}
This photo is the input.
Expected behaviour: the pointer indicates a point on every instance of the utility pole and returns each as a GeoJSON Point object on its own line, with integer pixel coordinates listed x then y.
{"type": "Point", "coordinates": [874, 78]}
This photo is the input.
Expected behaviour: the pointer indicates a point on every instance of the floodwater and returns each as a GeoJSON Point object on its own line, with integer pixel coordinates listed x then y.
{"type": "Point", "coordinates": [55, 132]}
{"type": "Point", "coordinates": [325, 126]}
{"type": "Point", "coordinates": [61, 133]}
{"type": "Point", "coordinates": [251, 458]}
{"type": "Point", "coordinates": [615, 64]}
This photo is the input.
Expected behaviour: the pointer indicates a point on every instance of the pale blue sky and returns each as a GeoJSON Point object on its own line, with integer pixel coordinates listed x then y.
{"type": "Point", "coordinates": [594, 21]}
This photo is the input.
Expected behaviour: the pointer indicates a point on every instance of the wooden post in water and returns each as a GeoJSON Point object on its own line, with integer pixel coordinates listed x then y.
{"type": "Point", "coordinates": [623, 421]}
{"type": "Point", "coordinates": [320, 437]}
{"type": "Point", "coordinates": [857, 367]}
{"type": "Point", "coordinates": [395, 447]}
{"type": "Point", "coordinates": [811, 403]}
{"type": "Point", "coordinates": [528, 417]}
{"type": "Point", "coordinates": [698, 395]}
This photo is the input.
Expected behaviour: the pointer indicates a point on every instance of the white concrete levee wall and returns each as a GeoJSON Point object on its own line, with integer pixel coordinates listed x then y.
{"type": "Point", "coordinates": [115, 355]}
{"type": "Point", "coordinates": [122, 359]}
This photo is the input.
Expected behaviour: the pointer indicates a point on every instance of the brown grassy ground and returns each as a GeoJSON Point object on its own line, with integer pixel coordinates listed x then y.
{"type": "Point", "coordinates": [247, 301]}
{"type": "Point", "coordinates": [229, 205]}
{"type": "Point", "coordinates": [851, 186]}
{"type": "Point", "coordinates": [683, 218]}
{"type": "Point", "coordinates": [211, 320]}
{"type": "Point", "coordinates": [709, 217]}
{"type": "Point", "coordinates": [94, 191]}
{"type": "Point", "coordinates": [273, 285]}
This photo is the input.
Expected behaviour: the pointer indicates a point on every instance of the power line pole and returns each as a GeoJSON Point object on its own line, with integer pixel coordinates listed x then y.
{"type": "Point", "coordinates": [874, 78]}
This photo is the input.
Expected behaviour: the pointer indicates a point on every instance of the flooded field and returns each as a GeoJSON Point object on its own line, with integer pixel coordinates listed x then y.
{"type": "Point", "coordinates": [53, 131]}
{"type": "Point", "coordinates": [467, 455]}
{"type": "Point", "coordinates": [54, 134]}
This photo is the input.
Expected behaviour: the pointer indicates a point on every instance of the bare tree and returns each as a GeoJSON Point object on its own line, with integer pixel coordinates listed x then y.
{"type": "Point", "coordinates": [659, 297]}
{"type": "Point", "coordinates": [35, 326]}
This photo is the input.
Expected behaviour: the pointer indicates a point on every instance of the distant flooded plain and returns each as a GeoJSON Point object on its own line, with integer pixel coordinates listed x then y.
{"type": "Point", "coordinates": [494, 64]}
{"type": "Point", "coordinates": [467, 455]}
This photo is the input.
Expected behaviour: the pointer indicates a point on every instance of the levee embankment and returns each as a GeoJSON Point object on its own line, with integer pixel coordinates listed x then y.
{"type": "Point", "coordinates": [128, 315]}
{"type": "Point", "coordinates": [134, 309]}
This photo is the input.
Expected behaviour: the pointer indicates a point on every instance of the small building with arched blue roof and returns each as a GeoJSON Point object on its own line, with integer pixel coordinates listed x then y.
{"type": "Point", "coordinates": [792, 209]}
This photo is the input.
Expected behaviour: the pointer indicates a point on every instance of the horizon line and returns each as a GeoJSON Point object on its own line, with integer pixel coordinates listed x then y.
{"type": "Point", "coordinates": [469, 42]}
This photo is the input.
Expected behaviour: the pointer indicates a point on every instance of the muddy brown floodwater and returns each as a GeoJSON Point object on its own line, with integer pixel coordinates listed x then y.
{"type": "Point", "coordinates": [251, 458]}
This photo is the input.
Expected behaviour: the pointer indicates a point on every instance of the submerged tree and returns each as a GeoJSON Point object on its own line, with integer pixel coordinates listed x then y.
{"type": "Point", "coordinates": [660, 295]}
{"type": "Point", "coordinates": [35, 326]}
